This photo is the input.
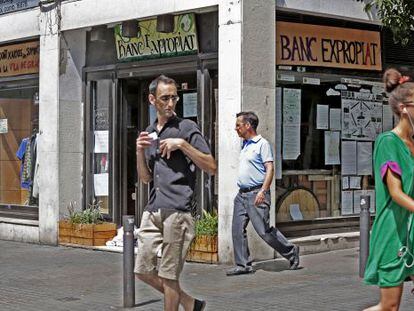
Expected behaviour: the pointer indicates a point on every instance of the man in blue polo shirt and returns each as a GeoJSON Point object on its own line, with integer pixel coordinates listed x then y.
{"type": "Point", "coordinates": [252, 202]}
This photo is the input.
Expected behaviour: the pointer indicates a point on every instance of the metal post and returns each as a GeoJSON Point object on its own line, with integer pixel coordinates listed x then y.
{"type": "Point", "coordinates": [129, 278]}
{"type": "Point", "coordinates": [364, 227]}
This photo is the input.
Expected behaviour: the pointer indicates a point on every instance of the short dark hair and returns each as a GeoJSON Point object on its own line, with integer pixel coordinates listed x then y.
{"type": "Point", "coordinates": [249, 116]}
{"type": "Point", "coordinates": [164, 79]}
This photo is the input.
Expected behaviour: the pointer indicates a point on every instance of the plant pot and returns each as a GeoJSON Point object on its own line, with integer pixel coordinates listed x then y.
{"type": "Point", "coordinates": [86, 234]}
{"type": "Point", "coordinates": [65, 231]}
{"type": "Point", "coordinates": [204, 249]}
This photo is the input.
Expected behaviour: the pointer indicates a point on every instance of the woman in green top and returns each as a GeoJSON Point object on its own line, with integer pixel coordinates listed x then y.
{"type": "Point", "coordinates": [391, 259]}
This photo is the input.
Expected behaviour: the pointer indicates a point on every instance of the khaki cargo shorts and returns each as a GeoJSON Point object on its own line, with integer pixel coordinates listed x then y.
{"type": "Point", "coordinates": [171, 230]}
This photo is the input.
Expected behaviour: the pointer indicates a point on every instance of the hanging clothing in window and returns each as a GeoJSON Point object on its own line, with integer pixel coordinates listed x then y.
{"type": "Point", "coordinates": [24, 155]}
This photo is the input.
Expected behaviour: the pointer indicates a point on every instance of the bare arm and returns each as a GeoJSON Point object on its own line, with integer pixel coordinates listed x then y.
{"type": "Point", "coordinates": [143, 142]}
{"type": "Point", "coordinates": [396, 192]}
{"type": "Point", "coordinates": [269, 175]}
{"type": "Point", "coordinates": [260, 197]}
{"type": "Point", "coordinates": [203, 161]}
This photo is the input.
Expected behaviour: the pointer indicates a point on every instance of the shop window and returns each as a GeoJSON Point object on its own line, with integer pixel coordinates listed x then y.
{"type": "Point", "coordinates": [19, 123]}
{"type": "Point", "coordinates": [326, 131]}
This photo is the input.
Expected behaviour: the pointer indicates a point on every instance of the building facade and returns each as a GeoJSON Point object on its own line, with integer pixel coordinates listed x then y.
{"type": "Point", "coordinates": [73, 90]}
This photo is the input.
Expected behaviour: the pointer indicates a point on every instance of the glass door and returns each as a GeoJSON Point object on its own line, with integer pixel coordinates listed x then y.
{"type": "Point", "coordinates": [102, 144]}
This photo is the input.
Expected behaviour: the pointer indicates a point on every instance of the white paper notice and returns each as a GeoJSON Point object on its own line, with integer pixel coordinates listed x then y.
{"type": "Point", "coordinates": [100, 182]}
{"type": "Point", "coordinates": [291, 142]}
{"type": "Point", "coordinates": [291, 123]}
{"type": "Point", "coordinates": [291, 107]}
{"type": "Point", "coordinates": [355, 182]}
{"type": "Point", "coordinates": [364, 166]}
{"type": "Point", "coordinates": [347, 203]}
{"type": "Point", "coordinates": [283, 77]}
{"type": "Point", "coordinates": [278, 153]}
{"type": "Point", "coordinates": [3, 126]}
{"type": "Point", "coordinates": [313, 81]}
{"type": "Point", "coordinates": [295, 212]}
{"type": "Point", "coordinates": [345, 182]}
{"type": "Point", "coordinates": [357, 201]}
{"type": "Point", "coordinates": [361, 115]}
{"type": "Point", "coordinates": [349, 164]}
{"type": "Point", "coordinates": [335, 119]}
{"type": "Point", "coordinates": [322, 117]}
{"type": "Point", "coordinates": [387, 118]}
{"type": "Point", "coordinates": [190, 105]}
{"type": "Point", "coordinates": [101, 141]}
{"type": "Point", "coordinates": [332, 148]}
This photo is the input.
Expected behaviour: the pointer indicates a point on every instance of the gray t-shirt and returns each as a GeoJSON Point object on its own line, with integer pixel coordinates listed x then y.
{"type": "Point", "coordinates": [174, 179]}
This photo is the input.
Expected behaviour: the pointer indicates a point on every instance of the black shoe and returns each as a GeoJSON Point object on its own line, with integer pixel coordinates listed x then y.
{"type": "Point", "coordinates": [239, 270]}
{"type": "Point", "coordinates": [199, 305]}
{"type": "Point", "coordinates": [294, 262]}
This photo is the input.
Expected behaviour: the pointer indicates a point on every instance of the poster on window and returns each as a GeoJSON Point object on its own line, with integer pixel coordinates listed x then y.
{"type": "Point", "coordinates": [291, 123]}
{"type": "Point", "coordinates": [361, 115]}
{"type": "Point", "coordinates": [348, 155]}
{"type": "Point", "coordinates": [332, 148]}
{"type": "Point", "coordinates": [364, 158]}
{"type": "Point", "coordinates": [101, 141]}
{"type": "Point", "coordinates": [3, 126]}
{"type": "Point", "coordinates": [190, 105]}
{"type": "Point", "coordinates": [278, 153]}
{"type": "Point", "coordinates": [347, 202]}
{"type": "Point", "coordinates": [100, 183]}
{"type": "Point", "coordinates": [322, 117]}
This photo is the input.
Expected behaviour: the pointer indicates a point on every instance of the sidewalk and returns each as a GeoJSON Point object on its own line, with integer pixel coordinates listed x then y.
{"type": "Point", "coordinates": [36, 277]}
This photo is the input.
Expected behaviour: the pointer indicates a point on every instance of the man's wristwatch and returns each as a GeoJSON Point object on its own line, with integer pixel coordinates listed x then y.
{"type": "Point", "coordinates": [262, 190]}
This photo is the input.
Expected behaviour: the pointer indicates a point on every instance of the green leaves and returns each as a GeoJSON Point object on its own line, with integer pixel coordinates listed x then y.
{"type": "Point", "coordinates": [90, 215]}
{"type": "Point", "coordinates": [208, 224]}
{"type": "Point", "coordinates": [397, 15]}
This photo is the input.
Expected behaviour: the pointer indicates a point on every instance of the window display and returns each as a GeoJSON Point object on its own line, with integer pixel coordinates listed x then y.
{"type": "Point", "coordinates": [19, 121]}
{"type": "Point", "coordinates": [326, 133]}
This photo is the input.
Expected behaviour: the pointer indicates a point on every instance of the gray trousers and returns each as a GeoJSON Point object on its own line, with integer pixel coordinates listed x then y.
{"type": "Point", "coordinates": [245, 210]}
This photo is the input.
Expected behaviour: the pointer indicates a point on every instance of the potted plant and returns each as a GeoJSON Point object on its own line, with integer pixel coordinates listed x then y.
{"type": "Point", "coordinates": [204, 247]}
{"type": "Point", "coordinates": [86, 227]}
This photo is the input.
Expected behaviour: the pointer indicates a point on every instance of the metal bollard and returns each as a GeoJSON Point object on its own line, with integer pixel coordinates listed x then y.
{"type": "Point", "coordinates": [364, 227]}
{"type": "Point", "coordinates": [128, 269]}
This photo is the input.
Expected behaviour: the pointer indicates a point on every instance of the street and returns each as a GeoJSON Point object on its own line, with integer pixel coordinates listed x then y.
{"type": "Point", "coordinates": [37, 277]}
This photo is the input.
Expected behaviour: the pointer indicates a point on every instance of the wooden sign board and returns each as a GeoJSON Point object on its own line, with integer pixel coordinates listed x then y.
{"type": "Point", "coordinates": [19, 59]}
{"type": "Point", "coordinates": [152, 44]}
{"type": "Point", "coordinates": [323, 46]}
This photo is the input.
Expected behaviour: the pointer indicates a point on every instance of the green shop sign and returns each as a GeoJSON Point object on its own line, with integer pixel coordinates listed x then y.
{"type": "Point", "coordinates": [152, 44]}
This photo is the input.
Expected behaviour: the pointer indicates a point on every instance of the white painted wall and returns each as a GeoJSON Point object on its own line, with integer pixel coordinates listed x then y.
{"type": "Point", "coordinates": [48, 144]}
{"type": "Point", "coordinates": [19, 25]}
{"type": "Point", "coordinates": [25, 231]}
{"type": "Point", "coordinates": [350, 9]}
{"type": "Point", "coordinates": [258, 88]}
{"type": "Point", "coordinates": [229, 103]}
{"type": "Point", "coordinates": [246, 82]}
{"type": "Point", "coordinates": [86, 13]}
{"type": "Point", "coordinates": [71, 119]}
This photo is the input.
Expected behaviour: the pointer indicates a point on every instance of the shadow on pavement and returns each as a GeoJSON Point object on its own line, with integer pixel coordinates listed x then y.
{"type": "Point", "coordinates": [141, 304]}
{"type": "Point", "coordinates": [273, 266]}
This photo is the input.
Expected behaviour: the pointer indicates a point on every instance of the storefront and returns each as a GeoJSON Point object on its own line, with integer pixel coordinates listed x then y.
{"type": "Point", "coordinates": [19, 124]}
{"type": "Point", "coordinates": [117, 75]}
{"type": "Point", "coordinates": [330, 107]}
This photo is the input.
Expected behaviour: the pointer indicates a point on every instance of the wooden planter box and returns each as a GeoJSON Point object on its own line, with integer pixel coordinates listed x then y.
{"type": "Point", "coordinates": [204, 249]}
{"type": "Point", "coordinates": [86, 234]}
